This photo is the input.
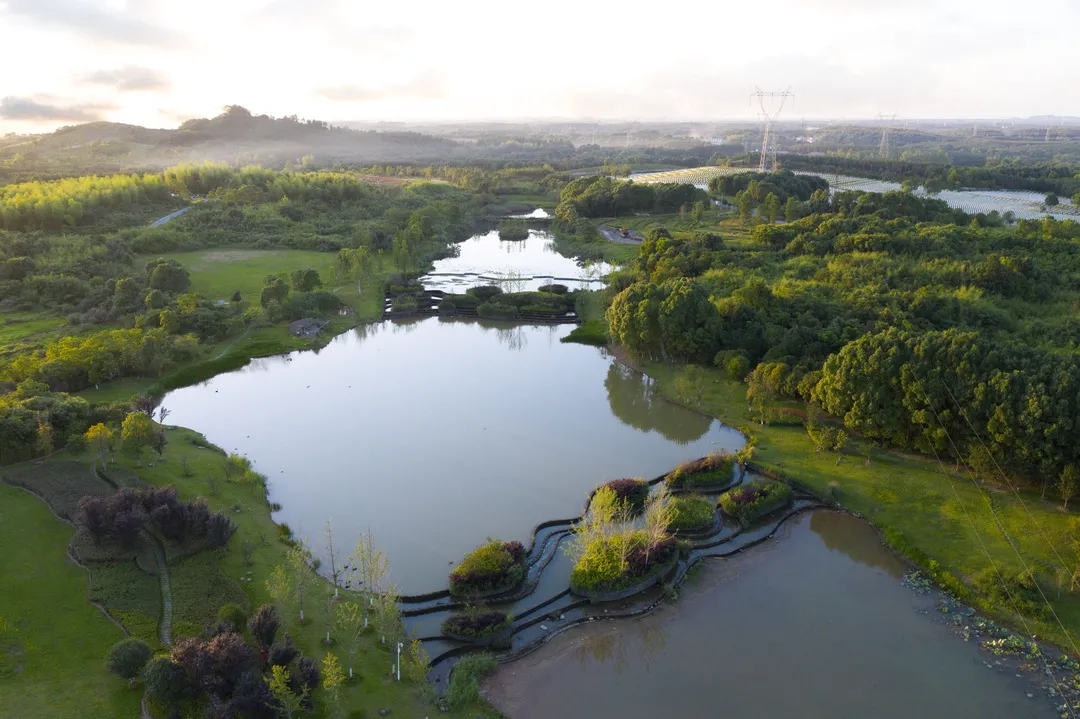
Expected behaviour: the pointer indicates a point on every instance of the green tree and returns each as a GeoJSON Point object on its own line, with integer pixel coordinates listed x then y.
{"type": "Point", "coordinates": [351, 622]}
{"type": "Point", "coordinates": [167, 275]}
{"type": "Point", "coordinates": [305, 280]}
{"type": "Point", "coordinates": [274, 289]}
{"type": "Point", "coordinates": [100, 438]}
{"type": "Point", "coordinates": [1076, 199]}
{"type": "Point", "coordinates": [333, 679]}
{"type": "Point", "coordinates": [697, 211]}
{"type": "Point", "coordinates": [289, 702]}
{"type": "Point", "coordinates": [771, 207]}
{"type": "Point", "coordinates": [136, 432]}
{"type": "Point", "coordinates": [1052, 200]}
{"type": "Point", "coordinates": [791, 209]}
{"type": "Point", "coordinates": [128, 657]}
{"type": "Point", "coordinates": [1068, 483]}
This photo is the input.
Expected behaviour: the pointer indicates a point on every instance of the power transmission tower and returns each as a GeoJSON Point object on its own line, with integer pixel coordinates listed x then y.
{"type": "Point", "coordinates": [768, 142]}
{"type": "Point", "coordinates": [886, 128]}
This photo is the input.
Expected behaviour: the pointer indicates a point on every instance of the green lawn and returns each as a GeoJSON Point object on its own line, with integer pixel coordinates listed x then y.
{"type": "Point", "coordinates": [21, 327]}
{"type": "Point", "coordinates": [52, 640]}
{"type": "Point", "coordinates": [910, 498]}
{"type": "Point", "coordinates": [60, 640]}
{"type": "Point", "coordinates": [217, 274]}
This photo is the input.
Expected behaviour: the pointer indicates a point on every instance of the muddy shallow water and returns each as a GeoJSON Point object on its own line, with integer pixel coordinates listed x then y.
{"type": "Point", "coordinates": [813, 624]}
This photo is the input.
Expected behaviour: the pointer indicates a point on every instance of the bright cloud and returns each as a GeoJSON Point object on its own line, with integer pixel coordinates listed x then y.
{"type": "Point", "coordinates": [152, 61]}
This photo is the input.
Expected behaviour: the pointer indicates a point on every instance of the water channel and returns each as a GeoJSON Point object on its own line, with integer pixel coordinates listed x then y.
{"type": "Point", "coordinates": [811, 624]}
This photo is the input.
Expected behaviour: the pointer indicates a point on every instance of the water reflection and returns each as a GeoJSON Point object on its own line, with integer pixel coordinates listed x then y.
{"type": "Point", "coordinates": [634, 401]}
{"type": "Point", "coordinates": [622, 643]}
{"type": "Point", "coordinates": [436, 433]}
{"type": "Point", "coordinates": [855, 538]}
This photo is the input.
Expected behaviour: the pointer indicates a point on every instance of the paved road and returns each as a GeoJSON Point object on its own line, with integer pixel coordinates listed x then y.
{"type": "Point", "coordinates": [613, 235]}
{"type": "Point", "coordinates": [169, 216]}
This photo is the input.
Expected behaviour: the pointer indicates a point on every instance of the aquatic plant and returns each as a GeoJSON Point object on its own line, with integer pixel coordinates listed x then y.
{"type": "Point", "coordinates": [491, 567]}
{"type": "Point", "coordinates": [754, 499]}
{"type": "Point", "coordinates": [690, 512]}
{"type": "Point", "coordinates": [713, 469]}
{"type": "Point", "coordinates": [633, 491]}
{"type": "Point", "coordinates": [476, 624]}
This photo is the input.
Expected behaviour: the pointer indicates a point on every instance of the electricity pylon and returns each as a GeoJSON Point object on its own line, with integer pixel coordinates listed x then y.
{"type": "Point", "coordinates": [768, 142]}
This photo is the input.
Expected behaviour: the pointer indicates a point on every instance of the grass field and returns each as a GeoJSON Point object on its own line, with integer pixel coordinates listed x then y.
{"type": "Point", "coordinates": [943, 515]}
{"type": "Point", "coordinates": [52, 640]}
{"type": "Point", "coordinates": [27, 327]}
{"type": "Point", "coordinates": [217, 274]}
{"type": "Point", "coordinates": [47, 602]}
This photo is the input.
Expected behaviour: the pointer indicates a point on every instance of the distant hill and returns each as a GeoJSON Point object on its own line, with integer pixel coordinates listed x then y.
{"type": "Point", "coordinates": [236, 135]}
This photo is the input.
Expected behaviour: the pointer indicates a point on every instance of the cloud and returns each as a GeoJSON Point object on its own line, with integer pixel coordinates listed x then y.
{"type": "Point", "coordinates": [129, 79]}
{"type": "Point", "coordinates": [44, 110]}
{"type": "Point", "coordinates": [82, 17]}
{"type": "Point", "coordinates": [427, 86]}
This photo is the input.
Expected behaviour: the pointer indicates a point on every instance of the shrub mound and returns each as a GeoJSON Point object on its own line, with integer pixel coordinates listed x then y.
{"type": "Point", "coordinates": [632, 491]}
{"type": "Point", "coordinates": [607, 565]}
{"type": "Point", "coordinates": [690, 513]}
{"type": "Point", "coordinates": [491, 568]}
{"type": "Point", "coordinates": [555, 289]}
{"type": "Point", "coordinates": [755, 499]}
{"type": "Point", "coordinates": [707, 471]}
{"type": "Point", "coordinates": [482, 624]}
{"type": "Point", "coordinates": [513, 231]}
{"type": "Point", "coordinates": [498, 311]}
{"type": "Point", "coordinates": [484, 292]}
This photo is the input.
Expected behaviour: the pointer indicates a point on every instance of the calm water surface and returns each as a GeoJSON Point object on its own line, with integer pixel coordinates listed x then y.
{"type": "Point", "coordinates": [812, 625]}
{"type": "Point", "coordinates": [517, 266]}
{"type": "Point", "coordinates": [436, 434]}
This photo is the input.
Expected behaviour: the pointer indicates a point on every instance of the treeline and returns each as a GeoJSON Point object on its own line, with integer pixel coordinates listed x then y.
{"type": "Point", "coordinates": [783, 184]}
{"type": "Point", "coordinates": [878, 309]}
{"type": "Point", "coordinates": [602, 196]}
{"type": "Point", "coordinates": [1062, 179]}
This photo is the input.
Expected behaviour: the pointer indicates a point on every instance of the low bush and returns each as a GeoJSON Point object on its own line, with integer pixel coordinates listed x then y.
{"type": "Point", "coordinates": [690, 512]}
{"type": "Point", "coordinates": [484, 292]}
{"type": "Point", "coordinates": [404, 303]}
{"type": "Point", "coordinates": [632, 491]}
{"type": "Point", "coordinates": [755, 499]}
{"type": "Point", "coordinates": [513, 231]}
{"type": "Point", "coordinates": [593, 332]}
{"type": "Point", "coordinates": [465, 679]}
{"type": "Point", "coordinates": [447, 307]}
{"type": "Point", "coordinates": [479, 624]}
{"type": "Point", "coordinates": [1015, 590]}
{"type": "Point", "coordinates": [233, 615]}
{"type": "Point", "coordinates": [555, 289]}
{"type": "Point", "coordinates": [712, 470]}
{"type": "Point", "coordinates": [498, 311]}
{"type": "Point", "coordinates": [491, 567]}
{"type": "Point", "coordinates": [128, 657]}
{"type": "Point", "coordinates": [165, 681]}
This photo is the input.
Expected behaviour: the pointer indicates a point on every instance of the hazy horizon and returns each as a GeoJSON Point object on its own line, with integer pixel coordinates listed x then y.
{"type": "Point", "coordinates": [157, 64]}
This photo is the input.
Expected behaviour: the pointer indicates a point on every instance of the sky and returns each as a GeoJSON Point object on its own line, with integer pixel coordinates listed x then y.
{"type": "Point", "coordinates": [159, 62]}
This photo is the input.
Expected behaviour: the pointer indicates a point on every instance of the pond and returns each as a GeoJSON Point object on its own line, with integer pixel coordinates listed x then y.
{"type": "Point", "coordinates": [813, 624]}
{"type": "Point", "coordinates": [516, 266]}
{"type": "Point", "coordinates": [436, 434]}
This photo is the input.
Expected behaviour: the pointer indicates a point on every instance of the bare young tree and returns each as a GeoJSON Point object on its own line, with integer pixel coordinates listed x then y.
{"type": "Point", "coordinates": [659, 513]}
{"type": "Point", "coordinates": [332, 555]}
{"type": "Point", "coordinates": [369, 569]}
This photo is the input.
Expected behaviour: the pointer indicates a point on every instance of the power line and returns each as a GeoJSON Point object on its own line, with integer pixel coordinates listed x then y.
{"type": "Point", "coordinates": [1023, 504]}
{"type": "Point", "coordinates": [986, 551]}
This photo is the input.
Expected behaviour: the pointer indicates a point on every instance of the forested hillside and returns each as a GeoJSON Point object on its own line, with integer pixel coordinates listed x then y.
{"type": "Point", "coordinates": [907, 320]}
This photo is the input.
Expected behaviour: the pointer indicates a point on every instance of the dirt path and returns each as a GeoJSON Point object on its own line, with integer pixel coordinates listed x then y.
{"type": "Point", "coordinates": [613, 235]}
{"type": "Point", "coordinates": [229, 346]}
{"type": "Point", "coordinates": [165, 628]}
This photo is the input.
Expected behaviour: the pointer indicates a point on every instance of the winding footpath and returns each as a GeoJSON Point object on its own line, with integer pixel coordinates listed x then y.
{"type": "Point", "coordinates": [171, 215]}
{"type": "Point", "coordinates": [165, 628]}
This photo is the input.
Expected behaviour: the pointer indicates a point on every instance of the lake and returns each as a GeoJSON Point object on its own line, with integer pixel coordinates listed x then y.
{"type": "Point", "coordinates": [812, 624]}
{"type": "Point", "coordinates": [438, 433]}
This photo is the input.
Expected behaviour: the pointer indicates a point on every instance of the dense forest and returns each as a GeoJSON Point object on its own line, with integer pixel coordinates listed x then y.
{"type": "Point", "coordinates": [912, 324]}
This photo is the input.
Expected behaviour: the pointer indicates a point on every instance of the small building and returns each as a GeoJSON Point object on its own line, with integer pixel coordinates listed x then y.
{"type": "Point", "coordinates": [306, 327]}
